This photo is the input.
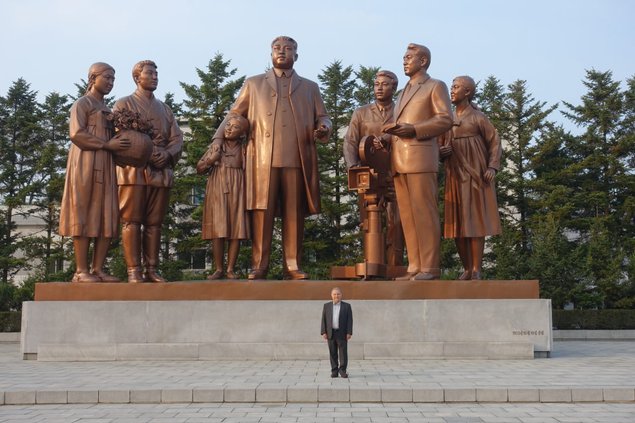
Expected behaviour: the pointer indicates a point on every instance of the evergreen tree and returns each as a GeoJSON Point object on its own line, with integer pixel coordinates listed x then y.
{"type": "Point", "coordinates": [175, 106]}
{"type": "Point", "coordinates": [491, 100]}
{"type": "Point", "coordinates": [364, 85]}
{"type": "Point", "coordinates": [626, 150]}
{"type": "Point", "coordinates": [596, 166]}
{"type": "Point", "coordinates": [603, 184]}
{"type": "Point", "coordinates": [526, 118]}
{"type": "Point", "coordinates": [331, 237]}
{"type": "Point", "coordinates": [626, 146]}
{"type": "Point", "coordinates": [519, 119]}
{"type": "Point", "coordinates": [49, 186]}
{"type": "Point", "coordinates": [20, 153]}
{"type": "Point", "coordinates": [204, 109]}
{"type": "Point", "coordinates": [554, 261]}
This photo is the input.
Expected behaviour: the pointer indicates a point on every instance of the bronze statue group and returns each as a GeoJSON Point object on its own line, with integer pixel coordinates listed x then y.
{"type": "Point", "coordinates": [262, 163]}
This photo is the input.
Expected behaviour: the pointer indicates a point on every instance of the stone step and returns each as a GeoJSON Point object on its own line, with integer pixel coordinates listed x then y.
{"type": "Point", "coordinates": [333, 393]}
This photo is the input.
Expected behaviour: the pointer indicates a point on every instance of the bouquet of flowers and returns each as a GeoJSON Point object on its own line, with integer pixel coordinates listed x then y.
{"type": "Point", "coordinates": [130, 125]}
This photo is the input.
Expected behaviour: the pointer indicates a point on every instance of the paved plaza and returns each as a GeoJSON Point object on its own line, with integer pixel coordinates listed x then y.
{"type": "Point", "coordinates": [583, 381]}
{"type": "Point", "coordinates": [320, 413]}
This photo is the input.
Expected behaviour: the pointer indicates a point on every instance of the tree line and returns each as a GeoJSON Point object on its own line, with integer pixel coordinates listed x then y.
{"type": "Point", "coordinates": [567, 200]}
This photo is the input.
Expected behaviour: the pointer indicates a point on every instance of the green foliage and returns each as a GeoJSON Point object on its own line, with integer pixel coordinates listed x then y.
{"type": "Point", "coordinates": [204, 109]}
{"type": "Point", "coordinates": [206, 105]}
{"type": "Point", "coordinates": [364, 85]}
{"type": "Point", "coordinates": [12, 296]}
{"type": "Point", "coordinates": [525, 117]}
{"type": "Point", "coordinates": [566, 200]}
{"type": "Point", "coordinates": [20, 131]}
{"type": "Point", "coordinates": [10, 321]}
{"type": "Point", "coordinates": [45, 248]}
{"type": "Point", "coordinates": [553, 262]}
{"type": "Point", "coordinates": [331, 236]}
{"type": "Point", "coordinates": [602, 187]}
{"type": "Point", "coordinates": [594, 319]}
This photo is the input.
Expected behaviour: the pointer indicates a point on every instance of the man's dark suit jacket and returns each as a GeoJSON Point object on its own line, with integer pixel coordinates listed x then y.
{"type": "Point", "coordinates": [346, 319]}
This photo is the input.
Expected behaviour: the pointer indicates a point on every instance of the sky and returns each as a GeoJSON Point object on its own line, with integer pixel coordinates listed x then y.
{"type": "Point", "coordinates": [548, 43]}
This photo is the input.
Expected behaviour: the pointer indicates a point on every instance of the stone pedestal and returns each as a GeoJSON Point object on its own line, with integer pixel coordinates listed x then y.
{"type": "Point", "coordinates": [280, 329]}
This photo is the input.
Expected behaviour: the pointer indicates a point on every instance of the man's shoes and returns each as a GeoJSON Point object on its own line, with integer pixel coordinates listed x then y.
{"type": "Point", "coordinates": [343, 374]}
{"type": "Point", "coordinates": [425, 276]}
{"type": "Point", "coordinates": [476, 276]}
{"type": "Point", "coordinates": [333, 374]}
{"type": "Point", "coordinates": [407, 277]}
{"type": "Point", "coordinates": [296, 275]}
{"type": "Point", "coordinates": [231, 275]}
{"type": "Point", "coordinates": [257, 274]}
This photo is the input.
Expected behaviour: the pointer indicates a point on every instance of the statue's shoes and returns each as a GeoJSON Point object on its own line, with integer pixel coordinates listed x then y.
{"type": "Point", "coordinates": [257, 275]}
{"type": "Point", "coordinates": [216, 275]}
{"type": "Point", "coordinates": [407, 277]}
{"type": "Point", "coordinates": [425, 276]}
{"type": "Point", "coordinates": [465, 276]}
{"type": "Point", "coordinates": [296, 275]}
{"type": "Point", "coordinates": [83, 277]}
{"type": "Point", "coordinates": [105, 277]}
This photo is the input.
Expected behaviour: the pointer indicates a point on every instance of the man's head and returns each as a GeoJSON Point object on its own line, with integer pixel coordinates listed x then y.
{"type": "Point", "coordinates": [284, 52]}
{"type": "Point", "coordinates": [417, 58]}
{"type": "Point", "coordinates": [236, 127]}
{"type": "Point", "coordinates": [462, 87]}
{"type": "Point", "coordinates": [145, 75]}
{"type": "Point", "coordinates": [336, 295]}
{"type": "Point", "coordinates": [385, 85]}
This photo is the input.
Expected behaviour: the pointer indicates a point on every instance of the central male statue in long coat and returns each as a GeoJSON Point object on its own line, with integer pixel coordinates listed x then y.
{"type": "Point", "coordinates": [287, 116]}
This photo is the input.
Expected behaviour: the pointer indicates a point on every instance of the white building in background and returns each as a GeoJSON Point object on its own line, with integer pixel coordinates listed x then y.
{"type": "Point", "coordinates": [28, 224]}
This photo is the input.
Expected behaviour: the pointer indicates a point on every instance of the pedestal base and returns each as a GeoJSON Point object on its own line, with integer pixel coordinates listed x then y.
{"type": "Point", "coordinates": [287, 290]}
{"type": "Point", "coordinates": [283, 329]}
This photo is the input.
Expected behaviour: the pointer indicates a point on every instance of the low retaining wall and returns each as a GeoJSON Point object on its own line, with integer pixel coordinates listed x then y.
{"type": "Point", "coordinates": [213, 330]}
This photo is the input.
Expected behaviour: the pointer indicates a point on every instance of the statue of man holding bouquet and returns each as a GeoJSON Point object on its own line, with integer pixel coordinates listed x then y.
{"type": "Point", "coordinates": [144, 191]}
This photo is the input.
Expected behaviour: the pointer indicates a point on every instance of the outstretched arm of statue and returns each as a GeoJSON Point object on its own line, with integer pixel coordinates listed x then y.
{"type": "Point", "coordinates": [401, 130]}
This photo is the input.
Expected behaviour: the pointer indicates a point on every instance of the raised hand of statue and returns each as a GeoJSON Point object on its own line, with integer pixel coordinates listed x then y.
{"type": "Point", "coordinates": [489, 175]}
{"type": "Point", "coordinates": [321, 133]}
{"type": "Point", "coordinates": [402, 130]}
{"type": "Point", "coordinates": [117, 143]}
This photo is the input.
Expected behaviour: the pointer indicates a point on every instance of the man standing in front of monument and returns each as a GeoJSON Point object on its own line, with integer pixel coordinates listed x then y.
{"type": "Point", "coordinates": [369, 120]}
{"type": "Point", "coordinates": [287, 116]}
{"type": "Point", "coordinates": [337, 329]}
{"type": "Point", "coordinates": [422, 113]}
{"type": "Point", "coordinates": [144, 191]}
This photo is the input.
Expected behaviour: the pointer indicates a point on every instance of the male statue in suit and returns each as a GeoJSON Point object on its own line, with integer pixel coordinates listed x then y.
{"type": "Point", "coordinates": [287, 116]}
{"type": "Point", "coordinates": [422, 113]}
{"type": "Point", "coordinates": [337, 329]}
